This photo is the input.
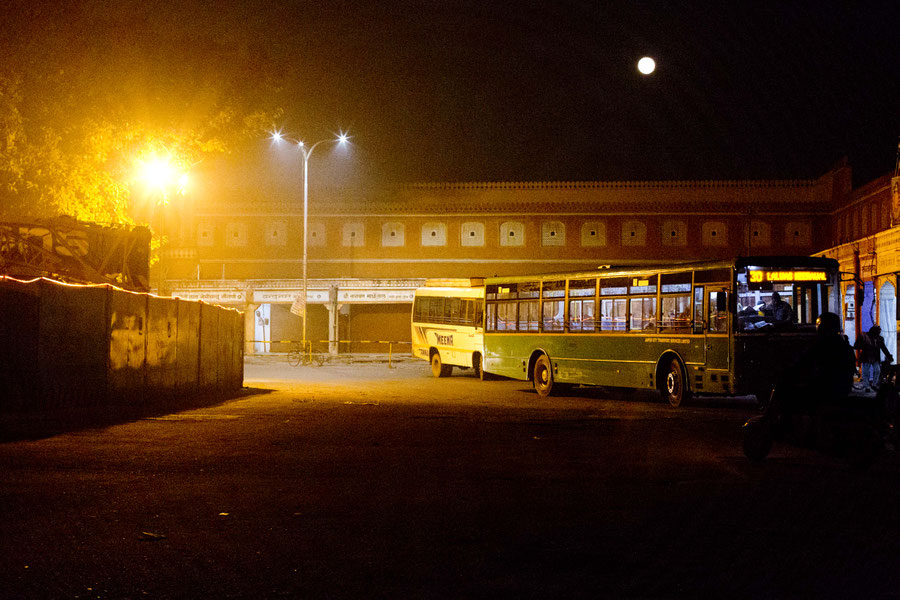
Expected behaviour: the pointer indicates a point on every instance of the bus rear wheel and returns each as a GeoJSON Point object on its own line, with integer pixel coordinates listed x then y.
{"type": "Point", "coordinates": [478, 366]}
{"type": "Point", "coordinates": [542, 376]}
{"type": "Point", "coordinates": [673, 384]}
{"type": "Point", "coordinates": [438, 368]}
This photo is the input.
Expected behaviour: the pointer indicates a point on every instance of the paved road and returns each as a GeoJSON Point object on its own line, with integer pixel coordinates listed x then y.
{"type": "Point", "coordinates": [359, 481]}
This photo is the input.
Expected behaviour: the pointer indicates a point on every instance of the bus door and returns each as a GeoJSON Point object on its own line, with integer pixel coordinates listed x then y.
{"type": "Point", "coordinates": [718, 342]}
{"type": "Point", "coordinates": [699, 321]}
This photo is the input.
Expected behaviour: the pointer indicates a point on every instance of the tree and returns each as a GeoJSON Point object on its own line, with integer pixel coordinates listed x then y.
{"type": "Point", "coordinates": [79, 108]}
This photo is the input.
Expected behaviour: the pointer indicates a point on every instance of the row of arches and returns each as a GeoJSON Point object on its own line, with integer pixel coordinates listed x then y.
{"type": "Point", "coordinates": [878, 308]}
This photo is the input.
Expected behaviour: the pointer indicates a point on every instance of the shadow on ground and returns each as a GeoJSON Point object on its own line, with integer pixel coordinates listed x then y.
{"type": "Point", "coordinates": [36, 425]}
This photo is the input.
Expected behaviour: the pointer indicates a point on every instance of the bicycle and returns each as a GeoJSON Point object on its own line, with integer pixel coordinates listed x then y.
{"type": "Point", "coordinates": [298, 355]}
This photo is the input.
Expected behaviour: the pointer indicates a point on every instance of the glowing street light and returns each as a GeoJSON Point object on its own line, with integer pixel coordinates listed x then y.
{"type": "Point", "coordinates": [341, 139]}
{"type": "Point", "coordinates": [160, 174]}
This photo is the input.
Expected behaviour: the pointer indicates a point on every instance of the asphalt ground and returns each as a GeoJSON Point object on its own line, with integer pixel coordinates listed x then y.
{"type": "Point", "coordinates": [364, 480]}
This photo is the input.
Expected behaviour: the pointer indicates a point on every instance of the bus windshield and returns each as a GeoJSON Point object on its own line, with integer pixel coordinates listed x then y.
{"type": "Point", "coordinates": [780, 298]}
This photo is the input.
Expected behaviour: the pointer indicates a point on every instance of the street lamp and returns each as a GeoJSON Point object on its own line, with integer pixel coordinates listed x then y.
{"type": "Point", "coordinates": [162, 177]}
{"type": "Point", "coordinates": [341, 139]}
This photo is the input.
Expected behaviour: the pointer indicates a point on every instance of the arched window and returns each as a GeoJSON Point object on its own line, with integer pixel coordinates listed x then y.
{"type": "Point", "coordinates": [434, 234]}
{"type": "Point", "coordinates": [887, 316]}
{"type": "Point", "coordinates": [714, 233]}
{"type": "Point", "coordinates": [593, 233]}
{"type": "Point", "coordinates": [393, 234]}
{"type": "Point", "coordinates": [634, 233]}
{"type": "Point", "coordinates": [512, 233]}
{"type": "Point", "coordinates": [471, 234]}
{"type": "Point", "coordinates": [553, 233]}
{"type": "Point", "coordinates": [353, 235]}
{"type": "Point", "coordinates": [674, 233]}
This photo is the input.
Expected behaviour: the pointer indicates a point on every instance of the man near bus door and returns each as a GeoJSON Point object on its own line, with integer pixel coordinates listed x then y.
{"type": "Point", "coordinates": [781, 310]}
{"type": "Point", "coordinates": [870, 346]}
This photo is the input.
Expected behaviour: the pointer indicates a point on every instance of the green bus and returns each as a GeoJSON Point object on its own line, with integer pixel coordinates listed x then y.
{"type": "Point", "coordinates": [701, 328]}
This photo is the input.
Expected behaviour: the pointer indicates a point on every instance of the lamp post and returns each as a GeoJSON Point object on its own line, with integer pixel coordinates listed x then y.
{"type": "Point", "coordinates": [307, 152]}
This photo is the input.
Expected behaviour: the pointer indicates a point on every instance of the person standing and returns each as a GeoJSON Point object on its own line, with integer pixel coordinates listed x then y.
{"type": "Point", "coordinates": [870, 346]}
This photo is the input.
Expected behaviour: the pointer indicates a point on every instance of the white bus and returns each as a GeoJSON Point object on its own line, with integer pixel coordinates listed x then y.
{"type": "Point", "coordinates": [448, 324]}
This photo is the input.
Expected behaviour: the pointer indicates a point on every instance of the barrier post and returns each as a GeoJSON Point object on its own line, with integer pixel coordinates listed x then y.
{"type": "Point", "coordinates": [390, 355]}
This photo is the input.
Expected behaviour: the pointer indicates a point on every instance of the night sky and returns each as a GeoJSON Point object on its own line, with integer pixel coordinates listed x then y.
{"type": "Point", "coordinates": [455, 90]}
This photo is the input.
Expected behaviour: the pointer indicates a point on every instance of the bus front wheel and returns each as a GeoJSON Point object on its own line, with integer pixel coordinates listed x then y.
{"type": "Point", "coordinates": [543, 376]}
{"type": "Point", "coordinates": [673, 384]}
{"type": "Point", "coordinates": [438, 368]}
{"type": "Point", "coordinates": [478, 366]}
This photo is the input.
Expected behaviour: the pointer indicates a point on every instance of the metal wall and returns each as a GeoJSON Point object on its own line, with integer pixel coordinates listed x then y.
{"type": "Point", "coordinates": [68, 345]}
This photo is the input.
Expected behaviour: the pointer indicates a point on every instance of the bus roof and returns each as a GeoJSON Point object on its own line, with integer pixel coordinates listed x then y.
{"type": "Point", "coordinates": [806, 262]}
{"type": "Point", "coordinates": [455, 282]}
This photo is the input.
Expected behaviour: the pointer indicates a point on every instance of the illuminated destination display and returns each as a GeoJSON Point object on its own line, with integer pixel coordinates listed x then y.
{"type": "Point", "coordinates": [760, 276]}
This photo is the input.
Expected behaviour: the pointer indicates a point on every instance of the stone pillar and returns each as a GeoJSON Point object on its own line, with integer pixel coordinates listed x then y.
{"type": "Point", "coordinates": [334, 311]}
{"type": "Point", "coordinates": [250, 328]}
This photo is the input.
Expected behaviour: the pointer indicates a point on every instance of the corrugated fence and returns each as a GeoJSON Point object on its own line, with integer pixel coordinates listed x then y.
{"type": "Point", "coordinates": [67, 345]}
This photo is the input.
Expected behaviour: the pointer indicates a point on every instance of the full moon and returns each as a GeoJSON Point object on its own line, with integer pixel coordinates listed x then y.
{"type": "Point", "coordinates": [646, 65]}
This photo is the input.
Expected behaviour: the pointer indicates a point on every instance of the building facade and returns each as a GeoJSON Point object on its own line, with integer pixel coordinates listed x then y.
{"type": "Point", "coordinates": [867, 246]}
{"type": "Point", "coordinates": [367, 254]}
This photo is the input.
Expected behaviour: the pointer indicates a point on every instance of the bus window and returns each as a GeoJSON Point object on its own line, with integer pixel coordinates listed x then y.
{"type": "Point", "coordinates": [581, 315]}
{"type": "Point", "coordinates": [643, 285]}
{"type": "Point", "coordinates": [580, 288]}
{"type": "Point", "coordinates": [477, 314]}
{"type": "Point", "coordinates": [491, 321]}
{"type": "Point", "coordinates": [451, 310]}
{"type": "Point", "coordinates": [612, 314]}
{"type": "Point", "coordinates": [676, 312]}
{"type": "Point", "coordinates": [643, 314]}
{"type": "Point", "coordinates": [698, 310]}
{"type": "Point", "coordinates": [718, 319]}
{"type": "Point", "coordinates": [529, 290]}
{"type": "Point", "coordinates": [553, 315]}
{"type": "Point", "coordinates": [553, 302]}
{"type": "Point", "coordinates": [528, 315]}
{"type": "Point", "coordinates": [506, 316]}
{"type": "Point", "coordinates": [417, 308]}
{"type": "Point", "coordinates": [436, 310]}
{"type": "Point", "coordinates": [671, 283]}
{"type": "Point", "coordinates": [581, 304]}
{"type": "Point", "coordinates": [614, 286]}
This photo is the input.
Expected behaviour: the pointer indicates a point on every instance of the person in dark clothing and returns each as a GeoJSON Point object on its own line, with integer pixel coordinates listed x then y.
{"type": "Point", "coordinates": [782, 313]}
{"type": "Point", "coordinates": [824, 372]}
{"type": "Point", "coordinates": [870, 346]}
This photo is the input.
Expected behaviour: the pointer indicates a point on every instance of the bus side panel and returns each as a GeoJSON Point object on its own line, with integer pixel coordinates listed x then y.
{"type": "Point", "coordinates": [597, 359]}
{"type": "Point", "coordinates": [504, 354]}
{"type": "Point", "coordinates": [419, 342]}
{"type": "Point", "coordinates": [456, 345]}
{"type": "Point", "coordinates": [717, 376]}
{"type": "Point", "coordinates": [593, 359]}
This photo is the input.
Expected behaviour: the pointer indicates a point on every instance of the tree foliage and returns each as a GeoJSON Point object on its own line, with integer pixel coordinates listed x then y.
{"type": "Point", "coordinates": [84, 98]}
